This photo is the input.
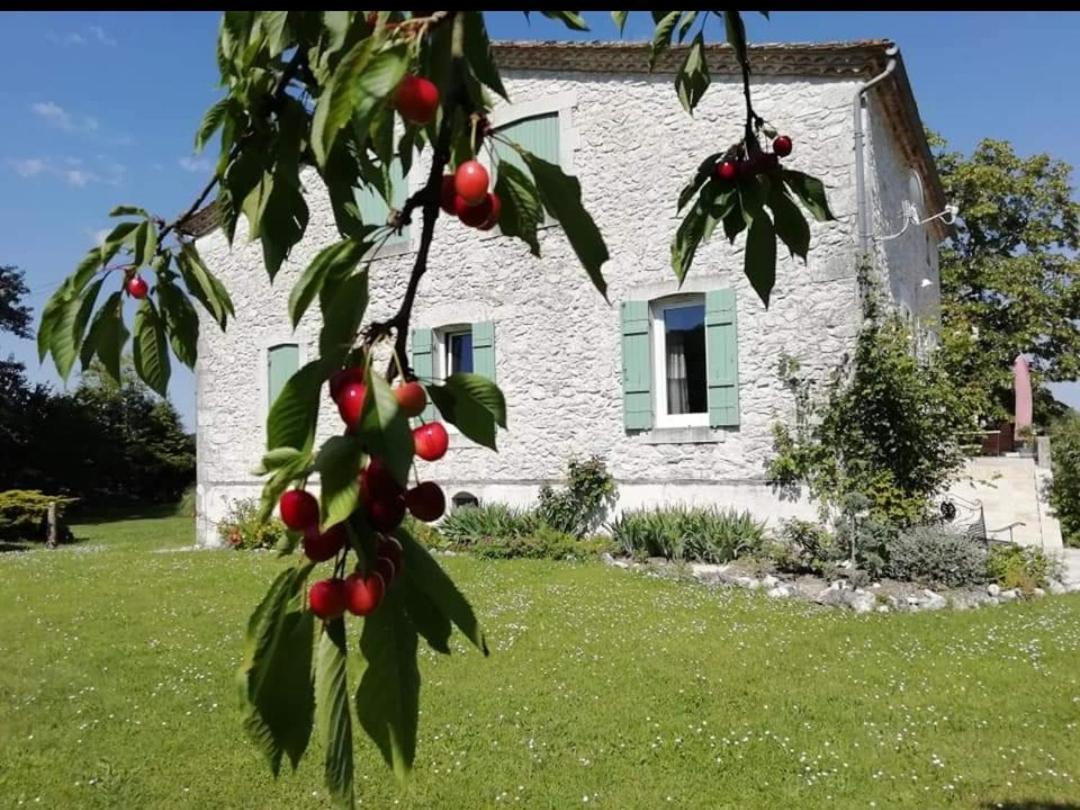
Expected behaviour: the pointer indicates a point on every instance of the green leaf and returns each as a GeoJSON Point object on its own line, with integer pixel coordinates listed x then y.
{"type": "Point", "coordinates": [284, 221]}
{"type": "Point", "coordinates": [110, 334]}
{"type": "Point", "coordinates": [181, 320]}
{"type": "Point", "coordinates": [789, 222]}
{"type": "Point", "coordinates": [662, 35]}
{"type": "Point", "coordinates": [277, 694]}
{"type": "Point", "coordinates": [473, 403]}
{"type": "Point", "coordinates": [384, 428]}
{"type": "Point", "coordinates": [342, 315]}
{"type": "Point", "coordinates": [811, 193]}
{"type": "Point", "coordinates": [619, 18]}
{"type": "Point", "coordinates": [279, 457]}
{"type": "Point", "coordinates": [337, 259]}
{"type": "Point", "coordinates": [120, 235]}
{"type": "Point", "coordinates": [561, 195]}
{"type": "Point", "coordinates": [736, 35]}
{"type": "Point", "coordinates": [734, 220]}
{"type": "Point", "coordinates": [294, 414]}
{"type": "Point", "coordinates": [687, 23]}
{"type": "Point", "coordinates": [687, 238]}
{"type": "Point", "coordinates": [571, 19]}
{"type": "Point", "coordinates": [129, 211]}
{"type": "Point", "coordinates": [211, 122]}
{"type": "Point", "coordinates": [693, 78]}
{"type": "Point", "coordinates": [277, 33]}
{"type": "Point", "coordinates": [278, 482]}
{"type": "Point", "coordinates": [421, 571]}
{"type": "Point", "coordinates": [338, 463]}
{"type": "Point", "coordinates": [522, 211]}
{"type": "Point", "coordinates": [478, 53]}
{"type": "Point", "coordinates": [388, 700]}
{"type": "Point", "coordinates": [724, 203]}
{"type": "Point", "coordinates": [151, 353]}
{"type": "Point", "coordinates": [426, 617]}
{"type": "Point", "coordinates": [332, 717]}
{"type": "Point", "coordinates": [203, 285]}
{"type": "Point", "coordinates": [760, 258]}
{"type": "Point", "coordinates": [144, 243]}
{"type": "Point", "coordinates": [67, 322]}
{"type": "Point", "coordinates": [704, 172]}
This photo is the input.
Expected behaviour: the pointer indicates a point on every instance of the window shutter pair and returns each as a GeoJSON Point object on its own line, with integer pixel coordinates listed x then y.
{"type": "Point", "coordinates": [423, 356]}
{"type": "Point", "coordinates": [722, 352]}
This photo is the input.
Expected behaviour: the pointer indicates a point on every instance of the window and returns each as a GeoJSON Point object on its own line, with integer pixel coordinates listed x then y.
{"type": "Point", "coordinates": [538, 134]}
{"type": "Point", "coordinates": [456, 351]}
{"type": "Point", "coordinates": [374, 210]}
{"type": "Point", "coordinates": [464, 500]}
{"type": "Point", "coordinates": [681, 385]}
{"type": "Point", "coordinates": [283, 361]}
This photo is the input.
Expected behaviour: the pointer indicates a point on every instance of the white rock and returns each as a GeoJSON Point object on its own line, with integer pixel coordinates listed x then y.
{"type": "Point", "coordinates": [933, 601]}
{"type": "Point", "coordinates": [993, 589]}
{"type": "Point", "coordinates": [1056, 587]}
{"type": "Point", "coordinates": [779, 592]}
{"type": "Point", "coordinates": [1010, 594]}
{"type": "Point", "coordinates": [882, 608]}
{"type": "Point", "coordinates": [1038, 592]}
{"type": "Point", "coordinates": [862, 602]}
{"type": "Point", "coordinates": [769, 581]}
{"type": "Point", "coordinates": [913, 600]}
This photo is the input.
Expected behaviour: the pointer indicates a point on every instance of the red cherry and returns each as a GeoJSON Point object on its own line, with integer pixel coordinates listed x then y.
{"type": "Point", "coordinates": [473, 215]}
{"type": "Point", "coordinates": [350, 403]}
{"type": "Point", "coordinates": [299, 510]}
{"type": "Point", "coordinates": [728, 170]}
{"type": "Point", "coordinates": [363, 593]}
{"type": "Point", "coordinates": [416, 99]}
{"type": "Point", "coordinates": [386, 513]}
{"type": "Point", "coordinates": [344, 377]}
{"type": "Point", "coordinates": [471, 181]}
{"type": "Point", "coordinates": [781, 145]}
{"type": "Point", "coordinates": [426, 501]}
{"type": "Point", "coordinates": [322, 547]}
{"type": "Point", "coordinates": [386, 569]}
{"type": "Point", "coordinates": [431, 441]}
{"type": "Point", "coordinates": [136, 287]}
{"type": "Point", "coordinates": [390, 548]}
{"type": "Point", "coordinates": [327, 598]}
{"type": "Point", "coordinates": [411, 397]}
{"type": "Point", "coordinates": [447, 193]}
{"type": "Point", "coordinates": [377, 482]}
{"type": "Point", "coordinates": [493, 217]}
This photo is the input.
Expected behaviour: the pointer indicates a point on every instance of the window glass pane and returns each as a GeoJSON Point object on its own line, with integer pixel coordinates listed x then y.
{"type": "Point", "coordinates": [459, 352]}
{"type": "Point", "coordinates": [283, 361]}
{"type": "Point", "coordinates": [684, 346]}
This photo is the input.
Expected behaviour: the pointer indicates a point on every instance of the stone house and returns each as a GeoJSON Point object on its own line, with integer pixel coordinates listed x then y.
{"type": "Point", "coordinates": [675, 387]}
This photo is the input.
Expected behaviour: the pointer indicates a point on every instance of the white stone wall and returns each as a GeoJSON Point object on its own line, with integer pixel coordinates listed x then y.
{"type": "Point", "coordinates": [558, 343]}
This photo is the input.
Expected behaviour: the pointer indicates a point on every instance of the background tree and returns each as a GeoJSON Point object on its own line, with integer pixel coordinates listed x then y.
{"type": "Point", "coordinates": [15, 316]}
{"type": "Point", "coordinates": [1009, 281]}
{"type": "Point", "coordinates": [343, 95]}
{"type": "Point", "coordinates": [1065, 485]}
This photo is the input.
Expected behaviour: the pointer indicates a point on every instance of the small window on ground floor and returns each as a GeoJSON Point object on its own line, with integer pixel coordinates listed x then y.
{"type": "Point", "coordinates": [456, 351]}
{"type": "Point", "coordinates": [681, 384]}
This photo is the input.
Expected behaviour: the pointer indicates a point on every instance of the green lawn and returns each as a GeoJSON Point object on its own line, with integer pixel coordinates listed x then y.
{"type": "Point", "coordinates": [604, 688]}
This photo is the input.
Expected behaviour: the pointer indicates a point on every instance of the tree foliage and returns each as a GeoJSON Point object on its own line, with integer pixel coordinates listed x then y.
{"type": "Point", "coordinates": [15, 315]}
{"type": "Point", "coordinates": [1065, 486]}
{"type": "Point", "coordinates": [312, 93]}
{"type": "Point", "coordinates": [1009, 282]}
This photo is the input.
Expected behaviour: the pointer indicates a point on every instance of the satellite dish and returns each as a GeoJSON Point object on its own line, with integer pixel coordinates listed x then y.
{"type": "Point", "coordinates": [915, 193]}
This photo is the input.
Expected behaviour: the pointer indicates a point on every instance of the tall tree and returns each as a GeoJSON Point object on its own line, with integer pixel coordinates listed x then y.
{"type": "Point", "coordinates": [14, 314]}
{"type": "Point", "coordinates": [1009, 281]}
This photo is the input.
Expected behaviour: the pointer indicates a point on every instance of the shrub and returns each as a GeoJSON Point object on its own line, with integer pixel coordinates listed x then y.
{"type": "Point", "coordinates": [578, 507]}
{"type": "Point", "coordinates": [242, 528]}
{"type": "Point", "coordinates": [689, 533]}
{"type": "Point", "coordinates": [804, 546]}
{"type": "Point", "coordinates": [1024, 568]}
{"type": "Point", "coordinates": [1065, 485]}
{"type": "Point", "coordinates": [24, 514]}
{"type": "Point", "coordinates": [935, 555]}
{"type": "Point", "coordinates": [186, 505]}
{"type": "Point", "coordinates": [472, 525]}
{"type": "Point", "coordinates": [425, 534]}
{"type": "Point", "coordinates": [544, 543]}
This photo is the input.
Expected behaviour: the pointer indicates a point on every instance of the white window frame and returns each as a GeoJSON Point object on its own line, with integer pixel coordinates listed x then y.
{"type": "Point", "coordinates": [442, 368]}
{"type": "Point", "coordinates": [658, 338]}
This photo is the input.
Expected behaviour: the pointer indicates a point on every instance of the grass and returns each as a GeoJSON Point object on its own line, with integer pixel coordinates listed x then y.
{"type": "Point", "coordinates": [604, 688]}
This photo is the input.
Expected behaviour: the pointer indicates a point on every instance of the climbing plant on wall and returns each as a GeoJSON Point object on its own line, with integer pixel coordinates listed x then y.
{"type": "Point", "coordinates": [348, 94]}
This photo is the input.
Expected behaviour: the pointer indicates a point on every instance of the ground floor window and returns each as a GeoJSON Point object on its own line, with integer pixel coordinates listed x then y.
{"type": "Point", "coordinates": [679, 361]}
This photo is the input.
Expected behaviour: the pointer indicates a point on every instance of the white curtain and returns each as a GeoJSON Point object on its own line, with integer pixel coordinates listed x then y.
{"type": "Point", "coordinates": [678, 383]}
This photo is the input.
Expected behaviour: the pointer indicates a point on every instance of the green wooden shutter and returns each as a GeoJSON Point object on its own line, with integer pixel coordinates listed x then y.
{"type": "Point", "coordinates": [373, 208]}
{"type": "Point", "coordinates": [483, 347]}
{"type": "Point", "coordinates": [722, 351]}
{"type": "Point", "coordinates": [423, 365]}
{"type": "Point", "coordinates": [539, 135]}
{"type": "Point", "coordinates": [282, 362]}
{"type": "Point", "coordinates": [637, 366]}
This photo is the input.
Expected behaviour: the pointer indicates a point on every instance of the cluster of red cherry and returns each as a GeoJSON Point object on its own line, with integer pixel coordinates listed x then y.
{"type": "Point", "coordinates": [384, 501]}
{"type": "Point", "coordinates": [731, 170]}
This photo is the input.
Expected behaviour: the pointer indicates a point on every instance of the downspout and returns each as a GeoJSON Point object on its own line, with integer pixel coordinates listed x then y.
{"type": "Point", "coordinates": [861, 208]}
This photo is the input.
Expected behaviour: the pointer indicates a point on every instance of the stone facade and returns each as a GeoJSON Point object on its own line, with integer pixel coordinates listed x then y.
{"type": "Point", "coordinates": [557, 342]}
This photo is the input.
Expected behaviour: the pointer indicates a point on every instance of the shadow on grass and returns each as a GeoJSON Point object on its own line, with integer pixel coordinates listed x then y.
{"type": "Point", "coordinates": [1032, 805]}
{"type": "Point", "coordinates": [148, 511]}
{"type": "Point", "coordinates": [30, 545]}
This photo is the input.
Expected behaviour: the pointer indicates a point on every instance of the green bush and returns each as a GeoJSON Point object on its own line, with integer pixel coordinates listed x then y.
{"type": "Point", "coordinates": [579, 506]}
{"type": "Point", "coordinates": [1024, 568]}
{"type": "Point", "coordinates": [703, 534]}
{"type": "Point", "coordinates": [804, 546]}
{"type": "Point", "coordinates": [934, 555]}
{"type": "Point", "coordinates": [544, 543]}
{"type": "Point", "coordinates": [186, 505]}
{"type": "Point", "coordinates": [425, 534]}
{"type": "Point", "coordinates": [1065, 486]}
{"type": "Point", "coordinates": [242, 529]}
{"type": "Point", "coordinates": [24, 514]}
{"type": "Point", "coordinates": [470, 526]}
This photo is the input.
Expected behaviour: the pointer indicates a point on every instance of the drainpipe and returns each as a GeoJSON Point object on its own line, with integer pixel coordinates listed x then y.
{"type": "Point", "coordinates": [861, 208]}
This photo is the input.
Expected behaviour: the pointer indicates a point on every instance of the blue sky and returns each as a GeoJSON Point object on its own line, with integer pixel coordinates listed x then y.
{"type": "Point", "coordinates": [102, 108]}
